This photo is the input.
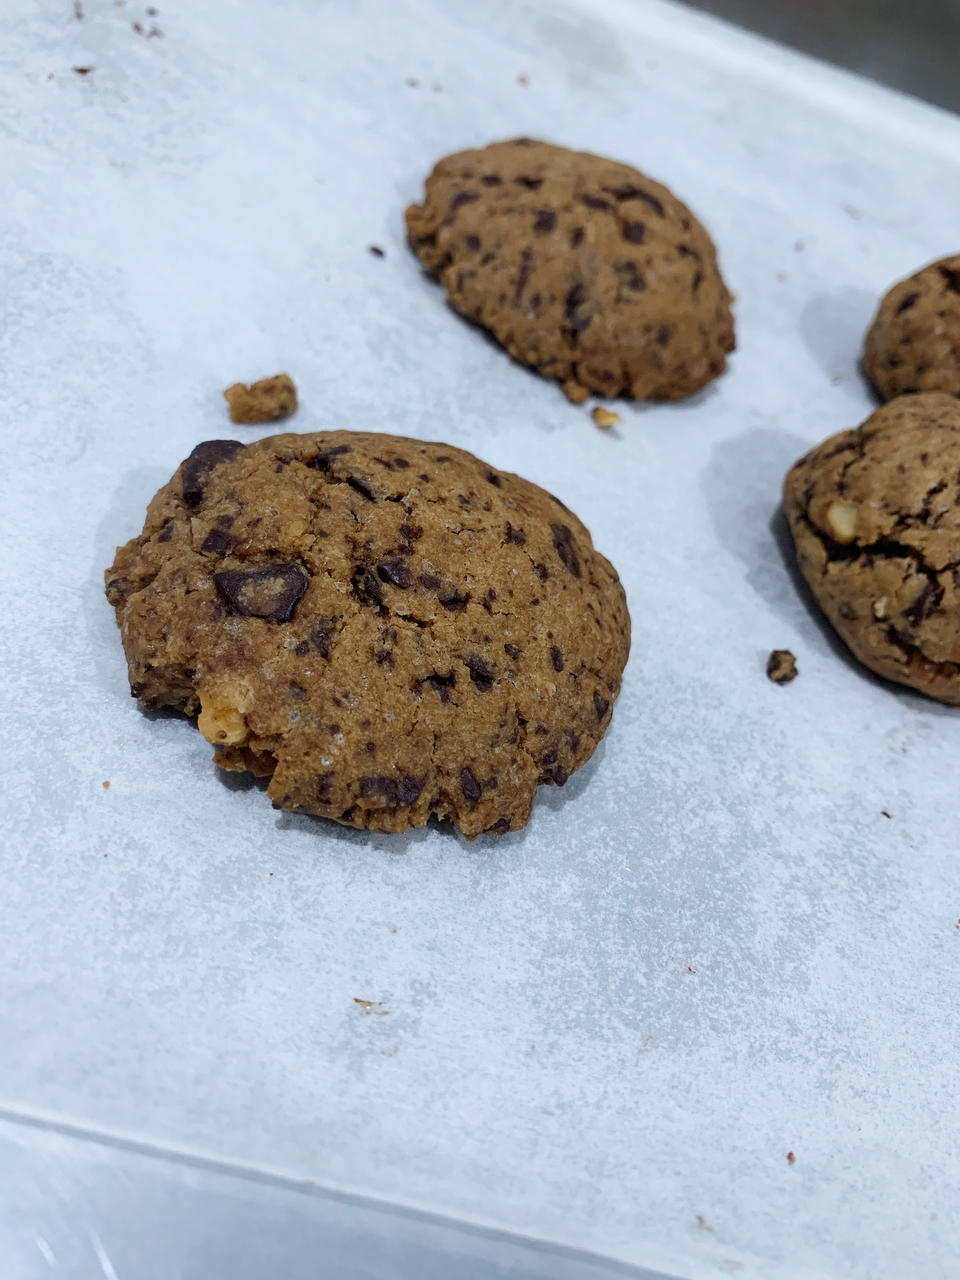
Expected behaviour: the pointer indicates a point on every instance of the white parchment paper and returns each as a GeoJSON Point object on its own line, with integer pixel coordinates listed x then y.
{"type": "Point", "coordinates": [711, 948]}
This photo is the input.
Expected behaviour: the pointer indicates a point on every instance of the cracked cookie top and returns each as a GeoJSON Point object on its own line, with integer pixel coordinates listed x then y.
{"type": "Point", "coordinates": [875, 515]}
{"type": "Point", "coordinates": [583, 268]}
{"type": "Point", "coordinates": [914, 341]}
{"type": "Point", "coordinates": [387, 629]}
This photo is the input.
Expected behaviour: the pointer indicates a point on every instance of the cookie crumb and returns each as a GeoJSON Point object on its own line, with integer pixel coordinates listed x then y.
{"type": "Point", "coordinates": [138, 28]}
{"type": "Point", "coordinates": [106, 784]}
{"type": "Point", "coordinates": [605, 417]}
{"type": "Point", "coordinates": [371, 1006]}
{"type": "Point", "coordinates": [781, 666]}
{"type": "Point", "coordinates": [791, 1158]}
{"type": "Point", "coordinates": [886, 813]}
{"type": "Point", "coordinates": [523, 80]}
{"type": "Point", "coordinates": [81, 71]}
{"type": "Point", "coordinates": [704, 1225]}
{"type": "Point", "coordinates": [263, 401]}
{"type": "Point", "coordinates": [376, 251]}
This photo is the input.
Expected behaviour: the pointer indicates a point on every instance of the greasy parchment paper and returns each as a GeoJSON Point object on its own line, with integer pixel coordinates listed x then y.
{"type": "Point", "coordinates": [711, 948]}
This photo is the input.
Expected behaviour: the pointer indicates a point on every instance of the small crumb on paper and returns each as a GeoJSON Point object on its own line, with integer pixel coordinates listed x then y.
{"type": "Point", "coordinates": [263, 401]}
{"type": "Point", "coordinates": [106, 784]}
{"type": "Point", "coordinates": [81, 71]}
{"type": "Point", "coordinates": [886, 813]}
{"type": "Point", "coordinates": [605, 417]}
{"type": "Point", "coordinates": [781, 666]}
{"type": "Point", "coordinates": [376, 251]}
{"type": "Point", "coordinates": [523, 80]}
{"type": "Point", "coordinates": [371, 1006]}
{"type": "Point", "coordinates": [791, 1158]}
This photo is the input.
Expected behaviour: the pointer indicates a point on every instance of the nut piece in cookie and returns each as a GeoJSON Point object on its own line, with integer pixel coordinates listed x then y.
{"type": "Point", "coordinates": [875, 517]}
{"type": "Point", "coordinates": [914, 341]}
{"type": "Point", "coordinates": [386, 629]}
{"type": "Point", "coordinates": [268, 400]}
{"type": "Point", "coordinates": [583, 268]}
{"type": "Point", "coordinates": [781, 666]}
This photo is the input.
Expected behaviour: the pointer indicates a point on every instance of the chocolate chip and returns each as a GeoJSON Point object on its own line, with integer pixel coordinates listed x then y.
{"type": "Point", "coordinates": [325, 456]}
{"type": "Point", "coordinates": [481, 673]}
{"type": "Point", "coordinates": [951, 278]}
{"type": "Point", "coordinates": [926, 602]}
{"type": "Point", "coordinates": [909, 301]}
{"type": "Point", "coordinates": [634, 193]}
{"type": "Point", "coordinates": [557, 775]}
{"type": "Point", "coordinates": [359, 486]}
{"type": "Point", "coordinates": [600, 705]}
{"type": "Point", "coordinates": [685, 251]}
{"type": "Point", "coordinates": [384, 656]}
{"type": "Point", "coordinates": [635, 232]}
{"type": "Point", "coordinates": [697, 281]}
{"type": "Point", "coordinates": [596, 202]}
{"type": "Point", "coordinates": [429, 582]}
{"type": "Point", "coordinates": [515, 535]}
{"type": "Point", "coordinates": [380, 786]}
{"type": "Point", "coordinates": [472, 242]}
{"type": "Point", "coordinates": [523, 276]}
{"type": "Point", "coordinates": [511, 651]}
{"type": "Point", "coordinates": [664, 334]}
{"type": "Point", "coordinates": [499, 827]}
{"type": "Point", "coordinates": [462, 198]}
{"type": "Point", "coordinates": [218, 542]}
{"type": "Point", "coordinates": [366, 586]}
{"type": "Point", "coordinates": [541, 571]}
{"type": "Point", "coordinates": [530, 183]}
{"type": "Point", "coordinates": [396, 573]}
{"type": "Point", "coordinates": [270, 592]}
{"type": "Point", "coordinates": [166, 533]}
{"type": "Point", "coordinates": [545, 220]}
{"type": "Point", "coordinates": [494, 479]}
{"type": "Point", "coordinates": [296, 691]}
{"type": "Point", "coordinates": [302, 649]}
{"type": "Point", "coordinates": [441, 685]}
{"type": "Point", "coordinates": [549, 757]}
{"type": "Point", "coordinates": [576, 237]}
{"type": "Point", "coordinates": [451, 599]}
{"type": "Point", "coordinates": [470, 787]}
{"type": "Point", "coordinates": [201, 462]}
{"type": "Point", "coordinates": [566, 548]}
{"type": "Point", "coordinates": [629, 276]}
{"type": "Point", "coordinates": [576, 319]}
{"type": "Point", "coordinates": [556, 657]}
{"type": "Point", "coordinates": [492, 180]}
{"type": "Point", "coordinates": [320, 634]}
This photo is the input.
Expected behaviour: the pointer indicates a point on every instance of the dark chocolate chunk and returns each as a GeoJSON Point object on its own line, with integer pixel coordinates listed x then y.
{"type": "Point", "coordinates": [664, 334]}
{"type": "Point", "coordinates": [218, 541]}
{"type": "Point", "coordinates": [556, 657]}
{"type": "Point", "coordinates": [481, 673]}
{"type": "Point", "coordinates": [577, 320]}
{"type": "Point", "coordinates": [361, 487]}
{"type": "Point", "coordinates": [429, 581]}
{"type": "Point", "coordinates": [472, 242]}
{"type": "Point", "coordinates": [634, 232]}
{"type": "Point", "coordinates": [366, 586]}
{"type": "Point", "coordinates": [532, 184]}
{"type": "Point", "coordinates": [541, 571]}
{"type": "Point", "coordinates": [441, 685]}
{"type": "Point", "coordinates": [494, 479]}
{"type": "Point", "coordinates": [492, 180]}
{"type": "Point", "coordinates": [576, 237]}
{"type": "Point", "coordinates": [565, 548]}
{"type": "Point", "coordinates": [515, 535]}
{"type": "Point", "coordinates": [404, 791]}
{"type": "Point", "coordinates": [951, 277]}
{"type": "Point", "coordinates": [470, 787]}
{"type": "Point", "coordinates": [600, 705]}
{"type": "Point", "coordinates": [462, 198]}
{"type": "Point", "coordinates": [166, 533]}
{"type": "Point", "coordinates": [511, 651]}
{"type": "Point", "coordinates": [596, 202]}
{"type": "Point", "coordinates": [501, 826]}
{"type": "Point", "coordinates": [271, 591]}
{"type": "Point", "coordinates": [396, 573]}
{"type": "Point", "coordinates": [931, 594]}
{"type": "Point", "coordinates": [629, 276]}
{"type": "Point", "coordinates": [545, 220]}
{"type": "Point", "coordinates": [909, 301]}
{"type": "Point", "coordinates": [201, 462]}
{"type": "Point", "coordinates": [325, 456]}
{"type": "Point", "coordinates": [452, 599]}
{"type": "Point", "coordinates": [320, 634]}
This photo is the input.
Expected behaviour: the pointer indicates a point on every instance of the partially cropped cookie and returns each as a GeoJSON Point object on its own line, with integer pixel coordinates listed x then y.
{"type": "Point", "coordinates": [386, 628]}
{"type": "Point", "coordinates": [875, 515]}
{"type": "Point", "coordinates": [914, 341]}
{"type": "Point", "coordinates": [583, 268]}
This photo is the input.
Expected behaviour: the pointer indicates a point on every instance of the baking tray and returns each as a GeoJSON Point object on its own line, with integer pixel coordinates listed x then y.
{"type": "Point", "coordinates": [712, 947]}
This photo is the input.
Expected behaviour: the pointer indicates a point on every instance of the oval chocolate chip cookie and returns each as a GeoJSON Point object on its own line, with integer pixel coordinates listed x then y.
{"type": "Point", "coordinates": [914, 341]}
{"type": "Point", "coordinates": [875, 515]}
{"type": "Point", "coordinates": [387, 629]}
{"type": "Point", "coordinates": [583, 268]}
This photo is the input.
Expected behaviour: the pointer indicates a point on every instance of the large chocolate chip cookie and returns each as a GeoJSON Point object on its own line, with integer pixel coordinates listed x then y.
{"type": "Point", "coordinates": [389, 629]}
{"type": "Point", "coordinates": [584, 269]}
{"type": "Point", "coordinates": [914, 341]}
{"type": "Point", "coordinates": [875, 515]}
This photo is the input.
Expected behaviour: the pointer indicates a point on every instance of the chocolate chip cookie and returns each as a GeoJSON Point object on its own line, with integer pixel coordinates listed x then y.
{"type": "Point", "coordinates": [875, 515]}
{"type": "Point", "coordinates": [914, 341]}
{"type": "Point", "coordinates": [583, 268]}
{"type": "Point", "coordinates": [387, 629]}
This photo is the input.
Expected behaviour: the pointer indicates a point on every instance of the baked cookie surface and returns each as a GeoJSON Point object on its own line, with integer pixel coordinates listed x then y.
{"type": "Point", "coordinates": [914, 341]}
{"type": "Point", "coordinates": [388, 629]}
{"type": "Point", "coordinates": [875, 516]}
{"type": "Point", "coordinates": [583, 268]}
